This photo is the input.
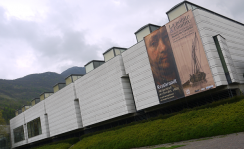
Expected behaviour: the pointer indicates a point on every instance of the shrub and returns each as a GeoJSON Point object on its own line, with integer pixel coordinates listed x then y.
{"type": "Point", "coordinates": [64, 144]}
{"type": "Point", "coordinates": [218, 118]}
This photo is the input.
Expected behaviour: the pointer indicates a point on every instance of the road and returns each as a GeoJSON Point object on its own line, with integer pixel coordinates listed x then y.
{"type": "Point", "coordinates": [231, 141]}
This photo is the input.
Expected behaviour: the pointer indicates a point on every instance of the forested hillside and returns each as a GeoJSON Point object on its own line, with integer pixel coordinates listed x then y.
{"type": "Point", "coordinates": [16, 93]}
{"type": "Point", "coordinates": [73, 70]}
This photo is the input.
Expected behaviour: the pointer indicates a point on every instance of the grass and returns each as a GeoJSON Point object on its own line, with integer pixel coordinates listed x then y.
{"type": "Point", "coordinates": [204, 139]}
{"type": "Point", "coordinates": [56, 146]}
{"type": "Point", "coordinates": [219, 118]}
{"type": "Point", "coordinates": [170, 147]}
{"type": "Point", "coordinates": [64, 144]}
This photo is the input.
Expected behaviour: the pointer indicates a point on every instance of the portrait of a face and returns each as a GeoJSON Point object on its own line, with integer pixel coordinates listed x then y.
{"type": "Point", "coordinates": [163, 65]}
{"type": "Point", "coordinates": [159, 49]}
{"type": "Point", "coordinates": [160, 54]}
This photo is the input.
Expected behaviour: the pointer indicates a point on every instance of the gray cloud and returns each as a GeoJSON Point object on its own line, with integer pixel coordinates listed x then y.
{"type": "Point", "coordinates": [71, 33]}
{"type": "Point", "coordinates": [52, 51]}
{"type": "Point", "coordinates": [234, 9]}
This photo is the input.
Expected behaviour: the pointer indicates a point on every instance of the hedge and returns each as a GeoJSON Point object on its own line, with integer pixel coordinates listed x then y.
{"type": "Point", "coordinates": [218, 118]}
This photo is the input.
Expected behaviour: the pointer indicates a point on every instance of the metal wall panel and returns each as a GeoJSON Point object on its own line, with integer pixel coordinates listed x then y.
{"type": "Point", "coordinates": [61, 111]}
{"type": "Point", "coordinates": [228, 59]}
{"type": "Point", "coordinates": [14, 123]}
{"type": "Point", "coordinates": [103, 94]}
{"type": "Point", "coordinates": [138, 68]}
{"type": "Point", "coordinates": [210, 25]}
{"type": "Point", "coordinates": [34, 112]}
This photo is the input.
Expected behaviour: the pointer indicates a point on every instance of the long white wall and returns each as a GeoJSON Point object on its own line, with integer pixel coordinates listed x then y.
{"type": "Point", "coordinates": [61, 111]}
{"type": "Point", "coordinates": [210, 25]}
{"type": "Point", "coordinates": [34, 112]}
{"type": "Point", "coordinates": [138, 68]}
{"type": "Point", "coordinates": [103, 93]}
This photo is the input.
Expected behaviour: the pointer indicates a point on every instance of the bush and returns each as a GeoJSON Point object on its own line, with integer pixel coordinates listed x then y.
{"type": "Point", "coordinates": [218, 118]}
{"type": "Point", "coordinates": [64, 144]}
{"type": "Point", "coordinates": [55, 146]}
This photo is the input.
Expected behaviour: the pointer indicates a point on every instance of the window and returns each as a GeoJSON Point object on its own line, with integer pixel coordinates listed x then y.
{"type": "Point", "coordinates": [177, 12]}
{"type": "Point", "coordinates": [142, 33]}
{"type": "Point", "coordinates": [19, 134]}
{"type": "Point", "coordinates": [37, 100]}
{"type": "Point", "coordinates": [34, 128]}
{"type": "Point", "coordinates": [153, 28]}
{"type": "Point", "coordinates": [3, 141]}
{"type": "Point", "coordinates": [109, 55]}
{"type": "Point", "coordinates": [89, 67]}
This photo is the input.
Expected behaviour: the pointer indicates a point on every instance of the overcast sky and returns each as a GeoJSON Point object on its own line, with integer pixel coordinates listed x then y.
{"type": "Point", "coordinates": [37, 36]}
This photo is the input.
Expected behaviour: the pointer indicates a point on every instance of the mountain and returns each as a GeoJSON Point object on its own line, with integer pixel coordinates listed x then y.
{"type": "Point", "coordinates": [73, 70]}
{"type": "Point", "coordinates": [16, 93]}
{"type": "Point", "coordinates": [29, 86]}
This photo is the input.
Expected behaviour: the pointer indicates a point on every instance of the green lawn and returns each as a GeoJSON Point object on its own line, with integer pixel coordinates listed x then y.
{"type": "Point", "coordinates": [56, 146]}
{"type": "Point", "coordinates": [170, 147]}
{"type": "Point", "coordinates": [218, 118]}
{"type": "Point", "coordinates": [65, 144]}
{"type": "Point", "coordinates": [206, 121]}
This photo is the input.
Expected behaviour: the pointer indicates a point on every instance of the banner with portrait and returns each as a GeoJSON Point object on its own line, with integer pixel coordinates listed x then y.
{"type": "Point", "coordinates": [177, 59]}
{"type": "Point", "coordinates": [165, 73]}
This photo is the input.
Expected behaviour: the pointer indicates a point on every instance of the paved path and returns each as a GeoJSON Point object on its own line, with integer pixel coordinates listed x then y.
{"type": "Point", "coordinates": [231, 141]}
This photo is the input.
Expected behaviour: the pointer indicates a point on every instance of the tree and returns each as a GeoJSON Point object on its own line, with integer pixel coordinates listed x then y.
{"type": "Point", "coordinates": [7, 114]}
{"type": "Point", "coordinates": [3, 130]}
{"type": "Point", "coordinates": [2, 121]}
{"type": "Point", "coordinates": [4, 133]}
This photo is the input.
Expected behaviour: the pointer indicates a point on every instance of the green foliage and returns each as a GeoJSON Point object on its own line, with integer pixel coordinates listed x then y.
{"type": "Point", "coordinates": [16, 93]}
{"type": "Point", "coordinates": [64, 144]}
{"type": "Point", "coordinates": [8, 113]}
{"type": "Point", "coordinates": [29, 86]}
{"type": "Point", "coordinates": [170, 147]}
{"type": "Point", "coordinates": [2, 125]}
{"type": "Point", "coordinates": [2, 121]}
{"type": "Point", "coordinates": [70, 141]}
{"type": "Point", "coordinates": [210, 105]}
{"type": "Point", "coordinates": [56, 146]}
{"type": "Point", "coordinates": [219, 118]}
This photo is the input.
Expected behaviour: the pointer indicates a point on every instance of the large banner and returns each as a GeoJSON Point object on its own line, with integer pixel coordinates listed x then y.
{"type": "Point", "coordinates": [190, 57]}
{"type": "Point", "coordinates": [178, 61]}
{"type": "Point", "coordinates": [163, 65]}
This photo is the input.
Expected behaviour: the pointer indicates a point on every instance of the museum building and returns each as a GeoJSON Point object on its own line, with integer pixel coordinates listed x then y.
{"type": "Point", "coordinates": [196, 58]}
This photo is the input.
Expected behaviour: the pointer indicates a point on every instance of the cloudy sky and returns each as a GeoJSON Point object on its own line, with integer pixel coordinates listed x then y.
{"type": "Point", "coordinates": [37, 36]}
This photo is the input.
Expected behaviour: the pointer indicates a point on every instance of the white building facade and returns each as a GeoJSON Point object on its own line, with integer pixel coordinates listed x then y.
{"type": "Point", "coordinates": [124, 85]}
